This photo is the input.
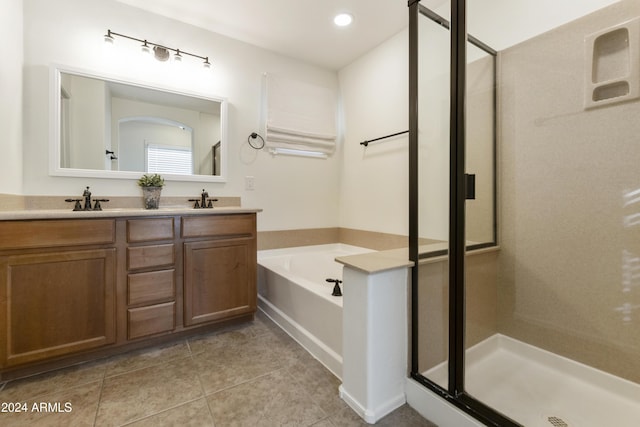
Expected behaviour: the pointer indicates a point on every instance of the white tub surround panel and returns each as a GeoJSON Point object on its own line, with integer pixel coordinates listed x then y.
{"type": "Point", "coordinates": [375, 333]}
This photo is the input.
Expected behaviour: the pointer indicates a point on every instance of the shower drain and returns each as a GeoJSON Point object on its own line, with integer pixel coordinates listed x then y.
{"type": "Point", "coordinates": [557, 422]}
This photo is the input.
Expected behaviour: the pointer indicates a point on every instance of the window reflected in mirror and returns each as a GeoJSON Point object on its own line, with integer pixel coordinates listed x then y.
{"type": "Point", "coordinates": [154, 144]}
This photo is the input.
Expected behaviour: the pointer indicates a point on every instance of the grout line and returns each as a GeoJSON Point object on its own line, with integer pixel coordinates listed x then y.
{"type": "Point", "coordinates": [189, 347]}
{"type": "Point", "coordinates": [206, 402]}
{"type": "Point", "coordinates": [204, 394]}
{"type": "Point", "coordinates": [54, 374]}
{"type": "Point", "coordinates": [151, 365]}
{"type": "Point", "coordinates": [244, 382]}
{"type": "Point", "coordinates": [160, 412]}
{"type": "Point", "coordinates": [327, 419]}
{"type": "Point", "coordinates": [95, 417]}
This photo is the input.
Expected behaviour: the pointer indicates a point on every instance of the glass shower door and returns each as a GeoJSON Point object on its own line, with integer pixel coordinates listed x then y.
{"type": "Point", "coordinates": [434, 195]}
{"type": "Point", "coordinates": [433, 179]}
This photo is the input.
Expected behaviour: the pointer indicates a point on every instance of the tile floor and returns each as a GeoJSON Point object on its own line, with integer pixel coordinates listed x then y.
{"type": "Point", "coordinates": [249, 375]}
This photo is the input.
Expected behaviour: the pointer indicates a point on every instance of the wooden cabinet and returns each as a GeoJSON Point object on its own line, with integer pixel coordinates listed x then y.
{"type": "Point", "coordinates": [71, 289]}
{"type": "Point", "coordinates": [57, 303]}
{"type": "Point", "coordinates": [218, 280]}
{"type": "Point", "coordinates": [220, 271]}
{"type": "Point", "coordinates": [54, 303]}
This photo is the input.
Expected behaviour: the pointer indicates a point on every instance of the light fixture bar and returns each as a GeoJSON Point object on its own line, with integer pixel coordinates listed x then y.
{"type": "Point", "coordinates": [110, 34]}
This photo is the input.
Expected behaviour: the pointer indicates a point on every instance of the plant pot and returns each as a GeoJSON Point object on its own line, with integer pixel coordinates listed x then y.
{"type": "Point", "coordinates": [151, 197]}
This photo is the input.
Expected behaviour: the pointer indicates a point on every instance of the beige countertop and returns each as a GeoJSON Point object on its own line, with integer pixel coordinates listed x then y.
{"type": "Point", "coordinates": [375, 262]}
{"type": "Point", "coordinates": [27, 214]}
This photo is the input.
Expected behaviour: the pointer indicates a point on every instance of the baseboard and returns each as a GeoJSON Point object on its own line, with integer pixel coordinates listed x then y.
{"type": "Point", "coordinates": [372, 416]}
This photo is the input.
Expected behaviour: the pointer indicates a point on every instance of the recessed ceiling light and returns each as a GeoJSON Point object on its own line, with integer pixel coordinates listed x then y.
{"type": "Point", "coordinates": [343, 19]}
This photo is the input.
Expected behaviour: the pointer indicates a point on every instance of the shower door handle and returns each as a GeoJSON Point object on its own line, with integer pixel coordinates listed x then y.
{"type": "Point", "coordinates": [470, 186]}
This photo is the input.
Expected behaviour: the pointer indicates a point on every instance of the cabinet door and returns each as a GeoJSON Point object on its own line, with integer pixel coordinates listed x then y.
{"type": "Point", "coordinates": [219, 280]}
{"type": "Point", "coordinates": [54, 304]}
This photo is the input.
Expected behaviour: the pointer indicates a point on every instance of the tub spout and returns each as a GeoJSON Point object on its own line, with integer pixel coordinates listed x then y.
{"type": "Point", "coordinates": [336, 289]}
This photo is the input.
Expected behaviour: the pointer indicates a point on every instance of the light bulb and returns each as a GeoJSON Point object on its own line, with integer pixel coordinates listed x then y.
{"type": "Point", "coordinates": [146, 50]}
{"type": "Point", "coordinates": [108, 38]}
{"type": "Point", "coordinates": [343, 19]}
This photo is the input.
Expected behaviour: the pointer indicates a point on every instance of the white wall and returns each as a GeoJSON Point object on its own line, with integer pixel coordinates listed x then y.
{"type": "Point", "coordinates": [374, 185]}
{"type": "Point", "coordinates": [294, 192]}
{"type": "Point", "coordinates": [375, 91]}
{"type": "Point", "coordinates": [11, 99]}
{"type": "Point", "coordinates": [373, 191]}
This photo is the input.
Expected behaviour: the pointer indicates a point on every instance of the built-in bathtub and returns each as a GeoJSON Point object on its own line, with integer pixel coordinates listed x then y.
{"type": "Point", "coordinates": [294, 293]}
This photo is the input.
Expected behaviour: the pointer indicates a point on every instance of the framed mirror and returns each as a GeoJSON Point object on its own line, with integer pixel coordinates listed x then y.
{"type": "Point", "coordinates": [110, 128]}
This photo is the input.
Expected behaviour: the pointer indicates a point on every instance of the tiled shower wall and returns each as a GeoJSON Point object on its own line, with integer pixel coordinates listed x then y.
{"type": "Point", "coordinates": [569, 241]}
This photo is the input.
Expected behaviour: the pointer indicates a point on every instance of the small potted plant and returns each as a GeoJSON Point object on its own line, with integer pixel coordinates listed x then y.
{"type": "Point", "coordinates": [151, 189]}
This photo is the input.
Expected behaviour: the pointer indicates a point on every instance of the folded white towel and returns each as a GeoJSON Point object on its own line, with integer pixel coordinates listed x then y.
{"type": "Point", "coordinates": [300, 115]}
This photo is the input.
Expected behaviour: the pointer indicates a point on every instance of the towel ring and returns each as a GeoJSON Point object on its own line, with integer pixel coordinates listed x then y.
{"type": "Point", "coordinates": [254, 136]}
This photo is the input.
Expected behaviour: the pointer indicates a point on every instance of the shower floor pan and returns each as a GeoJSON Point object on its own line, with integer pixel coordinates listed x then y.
{"type": "Point", "coordinates": [540, 389]}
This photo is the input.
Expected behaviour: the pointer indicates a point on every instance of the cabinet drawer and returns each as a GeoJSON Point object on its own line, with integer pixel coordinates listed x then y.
{"type": "Point", "coordinates": [151, 287]}
{"type": "Point", "coordinates": [48, 233]}
{"type": "Point", "coordinates": [151, 320]}
{"type": "Point", "coordinates": [219, 225]}
{"type": "Point", "coordinates": [150, 256]}
{"type": "Point", "coordinates": [145, 230]}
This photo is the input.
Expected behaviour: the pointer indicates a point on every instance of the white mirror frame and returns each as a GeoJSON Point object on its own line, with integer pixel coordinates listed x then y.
{"type": "Point", "coordinates": [54, 130]}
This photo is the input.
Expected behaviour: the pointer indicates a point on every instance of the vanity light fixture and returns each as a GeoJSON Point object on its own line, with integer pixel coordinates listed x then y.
{"type": "Point", "coordinates": [160, 52]}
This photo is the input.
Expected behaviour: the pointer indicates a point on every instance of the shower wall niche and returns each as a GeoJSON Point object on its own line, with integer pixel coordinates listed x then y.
{"type": "Point", "coordinates": [612, 69]}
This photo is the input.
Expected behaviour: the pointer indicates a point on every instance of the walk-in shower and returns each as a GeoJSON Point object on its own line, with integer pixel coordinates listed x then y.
{"type": "Point", "coordinates": [532, 315]}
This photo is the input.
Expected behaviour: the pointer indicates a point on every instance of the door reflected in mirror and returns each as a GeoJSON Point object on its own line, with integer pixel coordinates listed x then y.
{"type": "Point", "coordinates": [113, 128]}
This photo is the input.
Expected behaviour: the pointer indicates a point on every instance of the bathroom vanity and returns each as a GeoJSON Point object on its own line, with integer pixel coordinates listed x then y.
{"type": "Point", "coordinates": [79, 285]}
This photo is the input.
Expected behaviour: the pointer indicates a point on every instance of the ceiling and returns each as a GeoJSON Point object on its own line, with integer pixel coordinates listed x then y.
{"type": "Point", "coordinates": [304, 29]}
{"type": "Point", "coordinates": [301, 29]}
